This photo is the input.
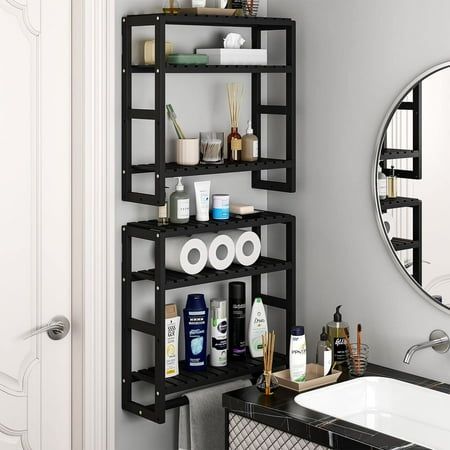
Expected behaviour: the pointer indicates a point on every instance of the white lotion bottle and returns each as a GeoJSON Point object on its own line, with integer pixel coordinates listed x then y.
{"type": "Point", "coordinates": [257, 328]}
{"type": "Point", "coordinates": [381, 184]}
{"type": "Point", "coordinates": [297, 355]}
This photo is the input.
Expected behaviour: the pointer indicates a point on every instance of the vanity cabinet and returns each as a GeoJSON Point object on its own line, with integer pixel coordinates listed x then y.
{"type": "Point", "coordinates": [246, 434]}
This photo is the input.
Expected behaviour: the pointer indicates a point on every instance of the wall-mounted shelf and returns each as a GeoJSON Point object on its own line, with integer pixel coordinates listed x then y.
{"type": "Point", "coordinates": [414, 244]}
{"type": "Point", "coordinates": [164, 280]}
{"type": "Point", "coordinates": [160, 168]}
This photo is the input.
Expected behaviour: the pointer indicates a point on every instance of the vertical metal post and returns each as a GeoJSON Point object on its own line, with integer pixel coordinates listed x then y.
{"type": "Point", "coordinates": [160, 317]}
{"type": "Point", "coordinates": [417, 236]}
{"type": "Point", "coordinates": [256, 279]}
{"type": "Point", "coordinates": [160, 109]}
{"type": "Point", "coordinates": [291, 124]}
{"type": "Point", "coordinates": [126, 315]}
{"type": "Point", "coordinates": [126, 107]}
{"type": "Point", "coordinates": [417, 130]}
{"type": "Point", "coordinates": [290, 282]}
{"type": "Point", "coordinates": [256, 102]}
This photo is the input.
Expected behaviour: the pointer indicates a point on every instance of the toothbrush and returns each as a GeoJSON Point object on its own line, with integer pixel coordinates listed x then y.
{"type": "Point", "coordinates": [173, 118]}
{"type": "Point", "coordinates": [358, 346]}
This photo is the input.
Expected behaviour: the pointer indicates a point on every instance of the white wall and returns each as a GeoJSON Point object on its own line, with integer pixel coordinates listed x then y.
{"type": "Point", "coordinates": [354, 58]}
{"type": "Point", "coordinates": [200, 103]}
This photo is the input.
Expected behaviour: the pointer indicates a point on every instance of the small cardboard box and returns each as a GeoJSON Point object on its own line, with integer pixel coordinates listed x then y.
{"type": "Point", "coordinates": [314, 378]}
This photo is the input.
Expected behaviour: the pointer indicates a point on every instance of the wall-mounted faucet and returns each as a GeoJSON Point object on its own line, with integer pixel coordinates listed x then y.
{"type": "Point", "coordinates": [438, 341]}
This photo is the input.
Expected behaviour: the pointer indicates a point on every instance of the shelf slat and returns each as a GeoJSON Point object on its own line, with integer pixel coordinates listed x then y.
{"type": "Point", "coordinates": [404, 244]}
{"type": "Point", "coordinates": [396, 153]}
{"type": "Point", "coordinates": [138, 229]}
{"type": "Point", "coordinates": [399, 202]}
{"type": "Point", "coordinates": [187, 380]}
{"type": "Point", "coordinates": [176, 280]}
{"type": "Point", "coordinates": [175, 170]}
{"type": "Point", "coordinates": [192, 68]}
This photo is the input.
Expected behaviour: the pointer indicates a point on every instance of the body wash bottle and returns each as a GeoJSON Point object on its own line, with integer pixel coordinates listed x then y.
{"type": "Point", "coordinates": [257, 328]}
{"type": "Point", "coordinates": [297, 355]}
{"type": "Point", "coordinates": [381, 184]}
{"type": "Point", "coordinates": [324, 354]}
{"type": "Point", "coordinates": [179, 204]}
{"type": "Point", "coordinates": [338, 331]}
{"type": "Point", "coordinates": [249, 145]}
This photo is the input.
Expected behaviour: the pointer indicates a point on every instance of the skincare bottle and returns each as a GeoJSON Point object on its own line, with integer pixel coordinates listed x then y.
{"type": "Point", "coordinates": [219, 333]}
{"type": "Point", "coordinates": [179, 204]}
{"type": "Point", "coordinates": [236, 297]}
{"type": "Point", "coordinates": [257, 328]}
{"type": "Point", "coordinates": [249, 145]}
{"type": "Point", "coordinates": [337, 331]}
{"type": "Point", "coordinates": [172, 333]}
{"type": "Point", "coordinates": [392, 184]}
{"type": "Point", "coordinates": [202, 189]}
{"type": "Point", "coordinates": [195, 332]}
{"type": "Point", "coordinates": [297, 355]}
{"type": "Point", "coordinates": [324, 353]}
{"type": "Point", "coordinates": [381, 184]}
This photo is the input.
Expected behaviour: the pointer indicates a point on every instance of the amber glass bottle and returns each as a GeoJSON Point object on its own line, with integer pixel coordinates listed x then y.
{"type": "Point", "coordinates": [234, 145]}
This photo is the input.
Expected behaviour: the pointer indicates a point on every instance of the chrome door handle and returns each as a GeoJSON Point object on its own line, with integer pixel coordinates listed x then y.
{"type": "Point", "coordinates": [56, 329]}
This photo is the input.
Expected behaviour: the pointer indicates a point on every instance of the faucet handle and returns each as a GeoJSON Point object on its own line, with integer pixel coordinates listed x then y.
{"type": "Point", "coordinates": [442, 341]}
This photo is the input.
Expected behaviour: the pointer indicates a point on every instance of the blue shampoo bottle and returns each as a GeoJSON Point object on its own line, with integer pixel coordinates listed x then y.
{"type": "Point", "coordinates": [195, 332]}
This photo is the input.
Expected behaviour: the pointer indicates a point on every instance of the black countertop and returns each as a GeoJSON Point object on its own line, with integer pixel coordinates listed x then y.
{"type": "Point", "coordinates": [281, 412]}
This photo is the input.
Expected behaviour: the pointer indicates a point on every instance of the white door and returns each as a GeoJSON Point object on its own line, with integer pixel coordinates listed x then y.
{"type": "Point", "coordinates": [35, 222]}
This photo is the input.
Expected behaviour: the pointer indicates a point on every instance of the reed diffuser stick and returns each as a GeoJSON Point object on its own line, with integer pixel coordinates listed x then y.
{"type": "Point", "coordinates": [268, 340]}
{"type": "Point", "coordinates": [235, 93]}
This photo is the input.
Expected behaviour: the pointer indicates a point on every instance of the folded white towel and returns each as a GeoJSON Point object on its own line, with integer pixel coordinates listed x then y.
{"type": "Point", "coordinates": [202, 422]}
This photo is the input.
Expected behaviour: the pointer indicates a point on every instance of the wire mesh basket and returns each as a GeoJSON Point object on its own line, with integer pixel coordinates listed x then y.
{"type": "Point", "coordinates": [250, 7]}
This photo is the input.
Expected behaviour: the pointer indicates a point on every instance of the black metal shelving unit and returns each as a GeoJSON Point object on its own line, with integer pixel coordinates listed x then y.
{"type": "Point", "coordinates": [415, 244]}
{"type": "Point", "coordinates": [164, 280]}
{"type": "Point", "coordinates": [160, 168]}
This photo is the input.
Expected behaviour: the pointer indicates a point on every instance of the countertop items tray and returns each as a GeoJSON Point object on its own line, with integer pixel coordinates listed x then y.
{"type": "Point", "coordinates": [314, 378]}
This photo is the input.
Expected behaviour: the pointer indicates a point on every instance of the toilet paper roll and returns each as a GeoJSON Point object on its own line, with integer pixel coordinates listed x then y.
{"type": "Point", "coordinates": [220, 250]}
{"type": "Point", "coordinates": [185, 254]}
{"type": "Point", "coordinates": [390, 224]}
{"type": "Point", "coordinates": [247, 246]}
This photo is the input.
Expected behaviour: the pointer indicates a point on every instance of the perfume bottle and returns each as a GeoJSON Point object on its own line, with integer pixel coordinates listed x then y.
{"type": "Point", "coordinates": [392, 184]}
{"type": "Point", "coordinates": [171, 7]}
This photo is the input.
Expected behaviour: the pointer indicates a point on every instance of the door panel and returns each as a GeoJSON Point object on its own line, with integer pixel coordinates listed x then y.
{"type": "Point", "coordinates": [35, 237]}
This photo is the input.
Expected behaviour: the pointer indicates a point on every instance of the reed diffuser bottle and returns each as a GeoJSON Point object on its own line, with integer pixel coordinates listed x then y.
{"type": "Point", "coordinates": [234, 140]}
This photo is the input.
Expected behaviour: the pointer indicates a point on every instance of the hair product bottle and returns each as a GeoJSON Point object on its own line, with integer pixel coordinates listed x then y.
{"type": "Point", "coordinates": [236, 295]}
{"type": "Point", "coordinates": [297, 355]}
{"type": "Point", "coordinates": [219, 333]}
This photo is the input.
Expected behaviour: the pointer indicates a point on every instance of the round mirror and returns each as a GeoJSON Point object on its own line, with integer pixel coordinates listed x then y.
{"type": "Point", "coordinates": [412, 180]}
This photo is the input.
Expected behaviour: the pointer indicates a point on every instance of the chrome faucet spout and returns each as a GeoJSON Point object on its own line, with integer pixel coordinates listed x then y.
{"type": "Point", "coordinates": [438, 341]}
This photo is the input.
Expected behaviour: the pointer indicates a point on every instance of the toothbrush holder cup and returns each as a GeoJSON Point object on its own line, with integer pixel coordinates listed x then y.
{"type": "Point", "coordinates": [188, 152]}
{"type": "Point", "coordinates": [357, 359]}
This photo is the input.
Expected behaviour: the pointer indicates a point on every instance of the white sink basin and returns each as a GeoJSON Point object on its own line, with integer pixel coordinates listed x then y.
{"type": "Point", "coordinates": [392, 407]}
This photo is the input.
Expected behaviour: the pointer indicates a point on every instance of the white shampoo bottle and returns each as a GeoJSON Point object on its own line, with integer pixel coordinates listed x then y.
{"type": "Point", "coordinates": [257, 328]}
{"type": "Point", "coordinates": [297, 355]}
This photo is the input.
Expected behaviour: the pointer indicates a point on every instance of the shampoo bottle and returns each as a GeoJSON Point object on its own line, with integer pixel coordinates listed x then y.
{"type": "Point", "coordinates": [257, 328]}
{"type": "Point", "coordinates": [236, 294]}
{"type": "Point", "coordinates": [337, 331]}
{"type": "Point", "coordinates": [219, 333]}
{"type": "Point", "coordinates": [195, 332]}
{"type": "Point", "coordinates": [324, 354]}
{"type": "Point", "coordinates": [179, 204]}
{"type": "Point", "coordinates": [297, 355]}
{"type": "Point", "coordinates": [381, 184]}
{"type": "Point", "coordinates": [172, 333]}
